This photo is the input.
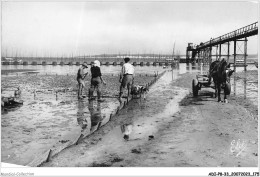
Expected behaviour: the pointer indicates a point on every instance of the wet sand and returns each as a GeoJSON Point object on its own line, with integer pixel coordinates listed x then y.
{"type": "Point", "coordinates": [53, 115]}
{"type": "Point", "coordinates": [172, 129]}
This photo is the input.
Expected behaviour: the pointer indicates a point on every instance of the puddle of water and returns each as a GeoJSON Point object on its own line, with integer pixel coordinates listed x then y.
{"type": "Point", "coordinates": [142, 124]}
{"type": "Point", "coordinates": [38, 124]}
{"type": "Point", "coordinates": [72, 70]}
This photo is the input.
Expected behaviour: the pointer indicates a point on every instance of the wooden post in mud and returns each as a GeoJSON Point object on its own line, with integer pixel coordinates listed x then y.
{"type": "Point", "coordinates": [99, 124]}
{"type": "Point", "coordinates": [34, 94]}
{"type": "Point", "coordinates": [38, 161]}
{"type": "Point", "coordinates": [78, 139]}
{"type": "Point", "coordinates": [48, 156]}
{"type": "Point", "coordinates": [113, 114]}
{"type": "Point", "coordinates": [117, 111]}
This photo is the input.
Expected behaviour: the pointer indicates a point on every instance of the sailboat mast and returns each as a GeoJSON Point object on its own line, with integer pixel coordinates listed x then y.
{"type": "Point", "coordinates": [173, 50]}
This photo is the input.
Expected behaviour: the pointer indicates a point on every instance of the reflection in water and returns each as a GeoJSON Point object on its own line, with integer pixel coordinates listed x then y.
{"type": "Point", "coordinates": [182, 68]}
{"type": "Point", "coordinates": [126, 130]}
{"type": "Point", "coordinates": [189, 67]}
{"type": "Point", "coordinates": [242, 85]}
{"type": "Point", "coordinates": [95, 113]}
{"type": "Point", "coordinates": [86, 122]}
{"type": "Point", "coordinates": [200, 67]}
{"type": "Point", "coordinates": [245, 84]}
{"type": "Point", "coordinates": [193, 66]}
{"type": "Point", "coordinates": [172, 74]}
{"type": "Point", "coordinates": [245, 76]}
{"type": "Point", "coordinates": [82, 119]}
{"type": "Point", "coordinates": [197, 66]}
{"type": "Point", "coordinates": [234, 85]}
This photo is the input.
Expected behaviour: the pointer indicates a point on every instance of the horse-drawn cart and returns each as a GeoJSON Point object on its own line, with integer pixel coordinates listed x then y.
{"type": "Point", "coordinates": [200, 81]}
{"type": "Point", "coordinates": [203, 80]}
{"type": "Point", "coordinates": [219, 73]}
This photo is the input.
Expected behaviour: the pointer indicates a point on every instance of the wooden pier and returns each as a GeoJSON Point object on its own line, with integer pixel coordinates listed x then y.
{"type": "Point", "coordinates": [204, 51]}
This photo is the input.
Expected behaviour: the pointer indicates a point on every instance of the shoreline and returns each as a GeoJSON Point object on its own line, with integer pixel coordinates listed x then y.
{"type": "Point", "coordinates": [7, 71]}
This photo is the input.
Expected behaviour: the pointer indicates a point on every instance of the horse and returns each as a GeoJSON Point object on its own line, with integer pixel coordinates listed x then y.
{"type": "Point", "coordinates": [220, 72]}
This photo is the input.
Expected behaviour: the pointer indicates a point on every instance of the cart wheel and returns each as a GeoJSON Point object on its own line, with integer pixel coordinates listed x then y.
{"type": "Point", "coordinates": [195, 88]}
{"type": "Point", "coordinates": [227, 89]}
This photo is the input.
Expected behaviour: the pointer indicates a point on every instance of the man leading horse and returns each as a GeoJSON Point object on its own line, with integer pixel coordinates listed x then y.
{"type": "Point", "coordinates": [220, 72]}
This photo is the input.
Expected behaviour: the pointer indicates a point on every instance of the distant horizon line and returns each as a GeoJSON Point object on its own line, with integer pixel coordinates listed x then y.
{"type": "Point", "coordinates": [108, 55]}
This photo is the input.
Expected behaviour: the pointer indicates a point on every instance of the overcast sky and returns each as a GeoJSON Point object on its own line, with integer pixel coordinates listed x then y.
{"type": "Point", "coordinates": [63, 28]}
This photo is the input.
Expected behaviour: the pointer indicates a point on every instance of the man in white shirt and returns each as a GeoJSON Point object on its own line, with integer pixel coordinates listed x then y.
{"type": "Point", "coordinates": [126, 77]}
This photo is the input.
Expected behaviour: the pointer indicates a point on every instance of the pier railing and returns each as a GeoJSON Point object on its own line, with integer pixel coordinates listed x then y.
{"type": "Point", "coordinates": [243, 32]}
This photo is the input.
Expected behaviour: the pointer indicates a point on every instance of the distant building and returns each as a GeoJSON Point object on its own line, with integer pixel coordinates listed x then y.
{"type": "Point", "coordinates": [5, 59]}
{"type": "Point", "coordinates": [11, 60]}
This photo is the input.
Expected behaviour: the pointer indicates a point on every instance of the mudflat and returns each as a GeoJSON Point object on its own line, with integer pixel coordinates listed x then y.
{"type": "Point", "coordinates": [171, 128]}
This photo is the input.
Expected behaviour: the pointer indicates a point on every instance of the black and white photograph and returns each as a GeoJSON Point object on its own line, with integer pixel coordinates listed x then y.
{"type": "Point", "coordinates": [117, 84]}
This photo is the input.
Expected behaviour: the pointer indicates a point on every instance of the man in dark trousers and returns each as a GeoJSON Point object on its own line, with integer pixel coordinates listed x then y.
{"type": "Point", "coordinates": [80, 78]}
{"type": "Point", "coordinates": [96, 81]}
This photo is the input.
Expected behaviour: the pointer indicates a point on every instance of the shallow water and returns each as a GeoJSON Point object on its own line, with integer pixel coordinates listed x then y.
{"type": "Point", "coordinates": [245, 84]}
{"type": "Point", "coordinates": [72, 70]}
{"type": "Point", "coordinates": [45, 120]}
